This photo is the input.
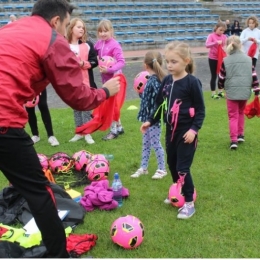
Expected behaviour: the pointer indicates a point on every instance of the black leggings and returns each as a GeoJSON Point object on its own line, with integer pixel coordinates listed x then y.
{"type": "Point", "coordinates": [20, 165]}
{"type": "Point", "coordinates": [179, 158]}
{"type": "Point", "coordinates": [254, 60]}
{"type": "Point", "coordinates": [45, 114]}
{"type": "Point", "coordinates": [213, 70]}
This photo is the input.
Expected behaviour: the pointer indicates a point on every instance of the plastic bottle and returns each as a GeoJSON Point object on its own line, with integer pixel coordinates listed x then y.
{"type": "Point", "coordinates": [117, 190]}
{"type": "Point", "coordinates": [109, 157]}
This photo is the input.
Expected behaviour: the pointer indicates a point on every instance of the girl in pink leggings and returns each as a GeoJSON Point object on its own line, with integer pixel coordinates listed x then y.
{"type": "Point", "coordinates": [237, 76]}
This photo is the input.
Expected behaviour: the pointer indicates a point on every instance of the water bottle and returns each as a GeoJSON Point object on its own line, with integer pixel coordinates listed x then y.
{"type": "Point", "coordinates": [117, 190]}
{"type": "Point", "coordinates": [109, 157]}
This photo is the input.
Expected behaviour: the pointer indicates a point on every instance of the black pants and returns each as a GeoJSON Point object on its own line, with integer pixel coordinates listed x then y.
{"type": "Point", "coordinates": [254, 60]}
{"type": "Point", "coordinates": [213, 70]}
{"type": "Point", "coordinates": [179, 158]}
{"type": "Point", "coordinates": [20, 165]}
{"type": "Point", "coordinates": [45, 114]}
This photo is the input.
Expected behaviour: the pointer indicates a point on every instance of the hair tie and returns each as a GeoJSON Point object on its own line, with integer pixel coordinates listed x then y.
{"type": "Point", "coordinates": [154, 60]}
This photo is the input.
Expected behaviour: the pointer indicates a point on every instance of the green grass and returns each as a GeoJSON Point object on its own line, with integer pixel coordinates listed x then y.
{"type": "Point", "coordinates": [227, 217]}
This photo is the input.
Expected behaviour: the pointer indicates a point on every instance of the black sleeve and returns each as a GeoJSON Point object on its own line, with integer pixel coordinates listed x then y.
{"type": "Point", "coordinates": [92, 58]}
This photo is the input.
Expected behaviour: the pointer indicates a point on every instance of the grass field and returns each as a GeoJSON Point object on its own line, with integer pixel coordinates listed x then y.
{"type": "Point", "coordinates": [227, 182]}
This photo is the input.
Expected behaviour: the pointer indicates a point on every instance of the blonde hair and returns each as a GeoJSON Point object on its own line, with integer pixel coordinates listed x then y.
{"type": "Point", "coordinates": [255, 20]}
{"type": "Point", "coordinates": [220, 24]}
{"type": "Point", "coordinates": [233, 43]}
{"type": "Point", "coordinates": [154, 60]}
{"type": "Point", "coordinates": [183, 50]}
{"type": "Point", "coordinates": [73, 23]}
{"type": "Point", "coordinates": [105, 25]}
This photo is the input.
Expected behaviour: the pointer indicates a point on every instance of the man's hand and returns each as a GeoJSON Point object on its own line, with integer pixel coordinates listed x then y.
{"type": "Point", "coordinates": [113, 86]}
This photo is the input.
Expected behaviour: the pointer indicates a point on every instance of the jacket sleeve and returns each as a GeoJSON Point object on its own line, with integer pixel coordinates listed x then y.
{"type": "Point", "coordinates": [92, 57]}
{"type": "Point", "coordinates": [243, 37]}
{"type": "Point", "coordinates": [209, 42]}
{"type": "Point", "coordinates": [62, 69]}
{"type": "Point", "coordinates": [120, 60]}
{"type": "Point", "coordinates": [199, 105]}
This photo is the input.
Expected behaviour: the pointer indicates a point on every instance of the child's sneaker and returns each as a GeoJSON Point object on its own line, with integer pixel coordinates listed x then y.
{"type": "Point", "coordinates": [233, 145]}
{"type": "Point", "coordinates": [89, 139]}
{"type": "Point", "coordinates": [167, 201]}
{"type": "Point", "coordinates": [120, 131]}
{"type": "Point", "coordinates": [241, 139]}
{"type": "Point", "coordinates": [76, 138]}
{"type": "Point", "coordinates": [221, 94]}
{"type": "Point", "coordinates": [159, 174]}
{"type": "Point", "coordinates": [186, 211]}
{"type": "Point", "coordinates": [139, 172]}
{"type": "Point", "coordinates": [215, 96]}
{"type": "Point", "coordinates": [53, 141]}
{"type": "Point", "coordinates": [36, 138]}
{"type": "Point", "coordinates": [110, 136]}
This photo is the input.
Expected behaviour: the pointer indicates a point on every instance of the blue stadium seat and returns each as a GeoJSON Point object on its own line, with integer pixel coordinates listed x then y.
{"type": "Point", "coordinates": [127, 41]}
{"type": "Point", "coordinates": [138, 40]}
{"type": "Point", "coordinates": [149, 40]}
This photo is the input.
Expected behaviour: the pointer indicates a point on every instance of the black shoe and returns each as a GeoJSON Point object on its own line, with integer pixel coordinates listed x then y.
{"type": "Point", "coordinates": [121, 132]}
{"type": "Point", "coordinates": [110, 136]}
{"type": "Point", "coordinates": [241, 139]}
{"type": "Point", "coordinates": [233, 145]}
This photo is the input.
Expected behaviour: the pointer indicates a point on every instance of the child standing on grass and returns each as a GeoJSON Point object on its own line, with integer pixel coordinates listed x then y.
{"type": "Point", "coordinates": [153, 62]}
{"type": "Point", "coordinates": [213, 41]}
{"type": "Point", "coordinates": [108, 46]}
{"type": "Point", "coordinates": [237, 76]}
{"type": "Point", "coordinates": [251, 35]}
{"type": "Point", "coordinates": [76, 34]}
{"type": "Point", "coordinates": [180, 101]}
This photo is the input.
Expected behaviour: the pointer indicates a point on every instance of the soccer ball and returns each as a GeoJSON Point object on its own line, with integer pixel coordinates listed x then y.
{"type": "Point", "coordinates": [60, 162]}
{"type": "Point", "coordinates": [81, 158]}
{"type": "Point", "coordinates": [140, 81]}
{"type": "Point", "coordinates": [106, 61]}
{"type": "Point", "coordinates": [127, 232]}
{"type": "Point", "coordinates": [32, 103]}
{"type": "Point", "coordinates": [98, 168]}
{"type": "Point", "coordinates": [44, 161]}
{"type": "Point", "coordinates": [176, 196]}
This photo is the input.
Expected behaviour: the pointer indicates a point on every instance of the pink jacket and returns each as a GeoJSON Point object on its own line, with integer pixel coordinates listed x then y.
{"type": "Point", "coordinates": [111, 48]}
{"type": "Point", "coordinates": [212, 44]}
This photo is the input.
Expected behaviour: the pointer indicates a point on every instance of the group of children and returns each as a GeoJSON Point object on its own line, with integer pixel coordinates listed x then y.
{"type": "Point", "coordinates": [174, 97]}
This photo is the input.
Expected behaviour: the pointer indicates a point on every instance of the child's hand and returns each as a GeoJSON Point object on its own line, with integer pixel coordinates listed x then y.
{"type": "Point", "coordinates": [189, 136]}
{"type": "Point", "coordinates": [144, 127]}
{"type": "Point", "coordinates": [102, 69]}
{"type": "Point", "coordinates": [219, 42]}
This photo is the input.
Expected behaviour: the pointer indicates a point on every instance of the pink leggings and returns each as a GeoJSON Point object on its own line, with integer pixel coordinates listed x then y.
{"type": "Point", "coordinates": [236, 118]}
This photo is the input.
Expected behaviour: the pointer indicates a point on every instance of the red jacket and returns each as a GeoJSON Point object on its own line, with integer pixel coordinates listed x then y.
{"type": "Point", "coordinates": [32, 55]}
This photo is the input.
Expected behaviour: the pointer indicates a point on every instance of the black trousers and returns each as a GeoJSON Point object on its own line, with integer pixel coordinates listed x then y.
{"type": "Point", "coordinates": [45, 114]}
{"type": "Point", "coordinates": [179, 158]}
{"type": "Point", "coordinates": [213, 70]}
{"type": "Point", "coordinates": [20, 164]}
{"type": "Point", "coordinates": [254, 60]}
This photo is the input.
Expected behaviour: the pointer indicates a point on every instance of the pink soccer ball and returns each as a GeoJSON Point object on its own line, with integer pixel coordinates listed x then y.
{"type": "Point", "coordinates": [60, 162]}
{"type": "Point", "coordinates": [127, 232]}
{"type": "Point", "coordinates": [106, 61]}
{"type": "Point", "coordinates": [176, 197]}
{"type": "Point", "coordinates": [81, 159]}
{"type": "Point", "coordinates": [32, 103]}
{"type": "Point", "coordinates": [97, 168]}
{"type": "Point", "coordinates": [44, 161]}
{"type": "Point", "coordinates": [140, 81]}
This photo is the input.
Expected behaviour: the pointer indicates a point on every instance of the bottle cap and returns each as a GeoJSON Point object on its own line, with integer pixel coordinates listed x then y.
{"type": "Point", "coordinates": [116, 176]}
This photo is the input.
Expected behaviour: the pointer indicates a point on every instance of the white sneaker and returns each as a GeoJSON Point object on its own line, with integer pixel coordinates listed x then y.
{"type": "Point", "coordinates": [53, 141]}
{"type": "Point", "coordinates": [89, 139]}
{"type": "Point", "coordinates": [159, 174]}
{"type": "Point", "coordinates": [167, 201]}
{"type": "Point", "coordinates": [139, 172]}
{"type": "Point", "coordinates": [36, 138]}
{"type": "Point", "coordinates": [76, 138]}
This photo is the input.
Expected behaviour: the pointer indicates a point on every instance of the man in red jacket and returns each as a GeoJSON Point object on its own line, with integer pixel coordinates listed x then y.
{"type": "Point", "coordinates": [34, 53]}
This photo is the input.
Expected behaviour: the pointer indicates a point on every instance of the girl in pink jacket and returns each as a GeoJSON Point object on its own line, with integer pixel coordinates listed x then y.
{"type": "Point", "coordinates": [213, 40]}
{"type": "Point", "coordinates": [108, 46]}
{"type": "Point", "coordinates": [76, 34]}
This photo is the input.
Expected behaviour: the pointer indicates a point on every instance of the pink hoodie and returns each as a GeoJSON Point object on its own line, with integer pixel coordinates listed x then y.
{"type": "Point", "coordinates": [111, 48]}
{"type": "Point", "coordinates": [212, 44]}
